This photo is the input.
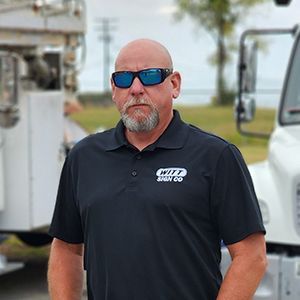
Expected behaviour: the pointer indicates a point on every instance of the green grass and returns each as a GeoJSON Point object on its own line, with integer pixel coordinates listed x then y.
{"type": "Point", "coordinates": [217, 120]}
{"type": "Point", "coordinates": [16, 250]}
{"type": "Point", "coordinates": [91, 118]}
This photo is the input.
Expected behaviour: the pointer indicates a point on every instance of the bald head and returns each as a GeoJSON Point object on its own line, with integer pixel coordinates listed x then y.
{"type": "Point", "coordinates": [141, 54]}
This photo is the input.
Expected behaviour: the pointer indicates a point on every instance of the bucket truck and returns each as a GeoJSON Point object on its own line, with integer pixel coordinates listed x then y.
{"type": "Point", "coordinates": [41, 52]}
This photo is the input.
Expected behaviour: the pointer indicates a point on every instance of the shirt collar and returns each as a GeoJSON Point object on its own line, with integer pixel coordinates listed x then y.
{"type": "Point", "coordinates": [173, 137]}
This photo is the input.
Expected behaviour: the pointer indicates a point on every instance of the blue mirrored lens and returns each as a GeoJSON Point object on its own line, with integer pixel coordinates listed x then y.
{"type": "Point", "coordinates": [123, 79]}
{"type": "Point", "coordinates": [151, 76]}
{"type": "Point", "coordinates": [148, 77]}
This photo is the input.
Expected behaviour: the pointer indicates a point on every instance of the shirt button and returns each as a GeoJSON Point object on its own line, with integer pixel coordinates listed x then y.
{"type": "Point", "coordinates": [139, 156]}
{"type": "Point", "coordinates": [134, 173]}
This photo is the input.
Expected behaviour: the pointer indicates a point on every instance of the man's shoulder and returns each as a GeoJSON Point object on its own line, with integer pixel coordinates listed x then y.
{"type": "Point", "coordinates": [201, 138]}
{"type": "Point", "coordinates": [209, 148]}
{"type": "Point", "coordinates": [99, 141]}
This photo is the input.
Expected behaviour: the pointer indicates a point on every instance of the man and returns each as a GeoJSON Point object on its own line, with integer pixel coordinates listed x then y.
{"type": "Point", "coordinates": [152, 199]}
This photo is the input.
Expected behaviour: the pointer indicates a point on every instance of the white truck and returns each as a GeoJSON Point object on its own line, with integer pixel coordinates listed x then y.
{"type": "Point", "coordinates": [277, 179]}
{"type": "Point", "coordinates": [41, 48]}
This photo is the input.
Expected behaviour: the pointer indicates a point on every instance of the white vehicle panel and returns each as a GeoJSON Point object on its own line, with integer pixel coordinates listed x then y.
{"type": "Point", "coordinates": [46, 153]}
{"type": "Point", "coordinates": [32, 162]}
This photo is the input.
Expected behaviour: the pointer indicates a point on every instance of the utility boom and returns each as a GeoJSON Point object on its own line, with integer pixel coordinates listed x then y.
{"type": "Point", "coordinates": [40, 43]}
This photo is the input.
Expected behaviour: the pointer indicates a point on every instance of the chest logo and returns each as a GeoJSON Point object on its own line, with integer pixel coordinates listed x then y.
{"type": "Point", "coordinates": [171, 174]}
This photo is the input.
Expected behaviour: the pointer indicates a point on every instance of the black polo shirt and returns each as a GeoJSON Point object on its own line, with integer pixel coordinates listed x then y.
{"type": "Point", "coordinates": [152, 220]}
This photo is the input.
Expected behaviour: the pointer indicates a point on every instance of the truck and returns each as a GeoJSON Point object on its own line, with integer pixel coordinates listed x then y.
{"type": "Point", "coordinates": [277, 179]}
{"type": "Point", "coordinates": [42, 50]}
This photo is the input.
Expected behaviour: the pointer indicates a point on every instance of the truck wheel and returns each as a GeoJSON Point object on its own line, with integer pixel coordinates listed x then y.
{"type": "Point", "coordinates": [34, 239]}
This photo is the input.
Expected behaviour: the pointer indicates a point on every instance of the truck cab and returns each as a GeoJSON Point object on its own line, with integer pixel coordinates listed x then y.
{"type": "Point", "coordinates": [277, 179]}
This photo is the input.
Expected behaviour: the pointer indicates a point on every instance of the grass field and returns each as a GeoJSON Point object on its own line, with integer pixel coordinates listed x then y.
{"type": "Point", "coordinates": [218, 120]}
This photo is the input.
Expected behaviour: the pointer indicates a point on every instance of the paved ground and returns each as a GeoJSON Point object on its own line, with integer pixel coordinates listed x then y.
{"type": "Point", "coordinates": [28, 283]}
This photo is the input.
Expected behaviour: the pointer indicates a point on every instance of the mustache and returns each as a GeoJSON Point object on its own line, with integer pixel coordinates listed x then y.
{"type": "Point", "coordinates": [134, 101]}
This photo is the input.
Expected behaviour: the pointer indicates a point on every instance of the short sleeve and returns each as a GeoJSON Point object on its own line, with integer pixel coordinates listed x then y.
{"type": "Point", "coordinates": [234, 203]}
{"type": "Point", "coordinates": [66, 222]}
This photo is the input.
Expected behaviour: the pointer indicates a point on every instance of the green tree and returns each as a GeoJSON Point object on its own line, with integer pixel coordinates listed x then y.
{"type": "Point", "coordinates": [219, 18]}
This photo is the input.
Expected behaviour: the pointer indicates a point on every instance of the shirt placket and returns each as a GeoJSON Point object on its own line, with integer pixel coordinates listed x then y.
{"type": "Point", "coordinates": [135, 172]}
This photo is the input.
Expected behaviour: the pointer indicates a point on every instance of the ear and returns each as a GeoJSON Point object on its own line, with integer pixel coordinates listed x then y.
{"type": "Point", "coordinates": [113, 89]}
{"type": "Point", "coordinates": [176, 84]}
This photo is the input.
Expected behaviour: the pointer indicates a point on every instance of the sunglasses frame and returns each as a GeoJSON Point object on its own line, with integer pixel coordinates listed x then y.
{"type": "Point", "coordinates": [165, 72]}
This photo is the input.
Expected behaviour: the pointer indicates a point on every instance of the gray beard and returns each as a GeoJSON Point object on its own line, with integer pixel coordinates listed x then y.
{"type": "Point", "coordinates": [146, 122]}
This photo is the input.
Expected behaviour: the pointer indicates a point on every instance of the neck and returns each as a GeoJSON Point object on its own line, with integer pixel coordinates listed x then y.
{"type": "Point", "coordinates": [141, 140]}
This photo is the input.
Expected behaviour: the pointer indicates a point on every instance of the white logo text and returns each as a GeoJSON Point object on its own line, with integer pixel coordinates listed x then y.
{"type": "Point", "coordinates": [171, 174]}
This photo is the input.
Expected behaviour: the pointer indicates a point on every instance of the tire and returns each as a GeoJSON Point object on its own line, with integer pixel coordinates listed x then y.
{"type": "Point", "coordinates": [35, 239]}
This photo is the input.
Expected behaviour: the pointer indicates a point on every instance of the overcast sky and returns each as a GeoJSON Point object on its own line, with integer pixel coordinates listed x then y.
{"type": "Point", "coordinates": [188, 46]}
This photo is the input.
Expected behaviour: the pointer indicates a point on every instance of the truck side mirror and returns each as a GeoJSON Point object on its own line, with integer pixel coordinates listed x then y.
{"type": "Point", "coordinates": [245, 109]}
{"type": "Point", "coordinates": [248, 65]}
{"type": "Point", "coordinates": [245, 105]}
{"type": "Point", "coordinates": [9, 113]}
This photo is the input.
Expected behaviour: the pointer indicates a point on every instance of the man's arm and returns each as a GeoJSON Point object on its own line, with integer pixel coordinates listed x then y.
{"type": "Point", "coordinates": [248, 266]}
{"type": "Point", "coordinates": [65, 271]}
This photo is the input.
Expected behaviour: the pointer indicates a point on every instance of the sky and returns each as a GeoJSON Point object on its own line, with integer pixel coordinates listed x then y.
{"type": "Point", "coordinates": [189, 46]}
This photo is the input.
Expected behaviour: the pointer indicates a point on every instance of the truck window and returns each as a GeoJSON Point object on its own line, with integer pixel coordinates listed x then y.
{"type": "Point", "coordinates": [290, 109]}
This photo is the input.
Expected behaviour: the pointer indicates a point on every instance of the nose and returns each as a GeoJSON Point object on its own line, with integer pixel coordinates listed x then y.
{"type": "Point", "coordinates": [137, 87]}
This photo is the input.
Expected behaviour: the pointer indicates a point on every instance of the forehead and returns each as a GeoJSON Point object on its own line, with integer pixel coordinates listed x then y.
{"type": "Point", "coordinates": [138, 56]}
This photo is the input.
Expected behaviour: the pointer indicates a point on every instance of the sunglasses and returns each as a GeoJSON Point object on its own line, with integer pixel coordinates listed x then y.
{"type": "Point", "coordinates": [148, 77]}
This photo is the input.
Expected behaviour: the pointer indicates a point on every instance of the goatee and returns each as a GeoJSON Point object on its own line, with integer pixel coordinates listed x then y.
{"type": "Point", "coordinates": [138, 121]}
